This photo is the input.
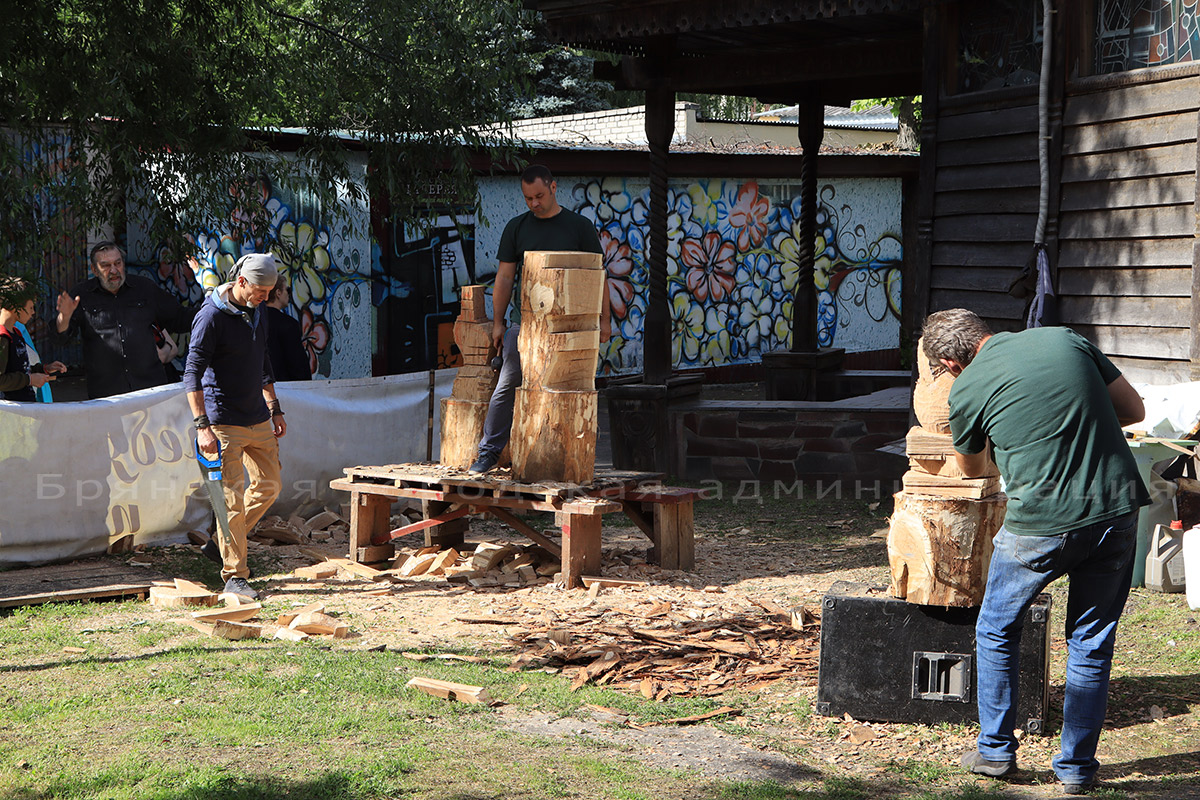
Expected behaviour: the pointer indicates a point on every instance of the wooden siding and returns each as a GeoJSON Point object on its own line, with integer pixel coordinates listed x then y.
{"type": "Point", "coordinates": [984, 206]}
{"type": "Point", "coordinates": [1127, 223]}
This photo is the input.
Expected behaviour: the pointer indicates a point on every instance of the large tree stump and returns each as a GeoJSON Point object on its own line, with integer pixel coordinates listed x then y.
{"type": "Point", "coordinates": [554, 419]}
{"type": "Point", "coordinates": [939, 548]}
{"type": "Point", "coordinates": [464, 411]}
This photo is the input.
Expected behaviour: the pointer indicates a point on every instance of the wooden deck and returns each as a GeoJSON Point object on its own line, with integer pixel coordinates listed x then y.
{"type": "Point", "coordinates": [93, 579]}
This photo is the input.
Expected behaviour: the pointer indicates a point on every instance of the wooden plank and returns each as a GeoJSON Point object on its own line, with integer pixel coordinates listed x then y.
{"type": "Point", "coordinates": [1167, 128]}
{"type": "Point", "coordinates": [451, 691]}
{"type": "Point", "coordinates": [1138, 341]}
{"type": "Point", "coordinates": [986, 279]}
{"type": "Point", "coordinates": [1152, 312]}
{"type": "Point", "coordinates": [1158, 190]}
{"type": "Point", "coordinates": [676, 536]}
{"type": "Point", "coordinates": [581, 548]}
{"type": "Point", "coordinates": [638, 517]}
{"type": "Point", "coordinates": [666, 495]}
{"type": "Point", "coordinates": [450, 497]}
{"type": "Point", "coordinates": [1128, 102]}
{"type": "Point", "coordinates": [368, 519]}
{"type": "Point", "coordinates": [1129, 223]}
{"type": "Point", "coordinates": [1022, 200]}
{"type": "Point", "coordinates": [989, 150]}
{"type": "Point", "coordinates": [1170, 159]}
{"type": "Point", "coordinates": [985, 228]}
{"type": "Point", "coordinates": [520, 526]}
{"type": "Point", "coordinates": [231, 614]}
{"type": "Point", "coordinates": [981, 254]}
{"type": "Point", "coordinates": [405, 530]}
{"type": "Point", "coordinates": [988, 124]}
{"type": "Point", "coordinates": [1153, 370]}
{"type": "Point", "coordinates": [1157, 282]}
{"type": "Point", "coordinates": [989, 305]}
{"type": "Point", "coordinates": [988, 176]}
{"type": "Point", "coordinates": [1132, 253]}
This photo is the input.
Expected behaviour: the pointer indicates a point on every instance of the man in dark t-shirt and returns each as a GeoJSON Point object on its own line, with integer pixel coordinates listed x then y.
{"type": "Point", "coordinates": [1052, 406]}
{"type": "Point", "coordinates": [546, 226]}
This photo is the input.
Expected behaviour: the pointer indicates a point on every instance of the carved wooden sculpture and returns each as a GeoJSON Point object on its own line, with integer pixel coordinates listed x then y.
{"type": "Point", "coordinates": [940, 537]}
{"type": "Point", "coordinates": [464, 411]}
{"type": "Point", "coordinates": [554, 420]}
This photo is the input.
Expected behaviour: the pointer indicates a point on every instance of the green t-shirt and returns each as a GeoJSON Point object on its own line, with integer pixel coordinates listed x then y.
{"type": "Point", "coordinates": [1041, 396]}
{"type": "Point", "coordinates": [566, 230]}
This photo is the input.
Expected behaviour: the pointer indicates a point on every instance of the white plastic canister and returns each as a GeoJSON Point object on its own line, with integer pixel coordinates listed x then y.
{"type": "Point", "coordinates": [1191, 565]}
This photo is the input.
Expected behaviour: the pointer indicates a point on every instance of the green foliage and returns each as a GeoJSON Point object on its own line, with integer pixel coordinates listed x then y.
{"type": "Point", "coordinates": [180, 99]}
{"type": "Point", "coordinates": [561, 78]}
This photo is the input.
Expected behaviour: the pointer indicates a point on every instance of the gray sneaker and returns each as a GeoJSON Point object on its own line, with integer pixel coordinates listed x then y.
{"type": "Point", "coordinates": [239, 587]}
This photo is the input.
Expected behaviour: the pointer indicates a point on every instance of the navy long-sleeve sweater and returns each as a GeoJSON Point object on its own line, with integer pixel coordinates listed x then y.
{"type": "Point", "coordinates": [227, 360]}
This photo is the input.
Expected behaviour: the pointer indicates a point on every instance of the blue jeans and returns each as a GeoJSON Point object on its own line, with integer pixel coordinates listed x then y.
{"type": "Point", "coordinates": [1099, 560]}
{"type": "Point", "coordinates": [497, 426]}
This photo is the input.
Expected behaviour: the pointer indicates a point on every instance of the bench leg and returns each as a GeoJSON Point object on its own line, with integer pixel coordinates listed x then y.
{"type": "Point", "coordinates": [369, 514]}
{"type": "Point", "coordinates": [580, 548]}
{"type": "Point", "coordinates": [675, 535]}
{"type": "Point", "coordinates": [447, 534]}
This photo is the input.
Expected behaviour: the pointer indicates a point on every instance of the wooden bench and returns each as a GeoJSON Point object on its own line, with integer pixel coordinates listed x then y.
{"type": "Point", "coordinates": [449, 495]}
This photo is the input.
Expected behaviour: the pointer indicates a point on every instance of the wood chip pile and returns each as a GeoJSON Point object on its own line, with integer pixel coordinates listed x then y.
{"type": "Point", "coordinates": [648, 650]}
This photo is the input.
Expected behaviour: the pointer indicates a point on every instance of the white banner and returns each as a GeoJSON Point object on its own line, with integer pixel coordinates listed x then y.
{"type": "Point", "coordinates": [79, 475]}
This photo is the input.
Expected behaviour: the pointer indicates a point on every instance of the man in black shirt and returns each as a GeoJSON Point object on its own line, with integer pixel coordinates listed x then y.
{"type": "Point", "coordinates": [113, 314]}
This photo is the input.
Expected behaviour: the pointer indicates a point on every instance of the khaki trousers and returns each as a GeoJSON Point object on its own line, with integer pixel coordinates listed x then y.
{"type": "Point", "coordinates": [246, 452]}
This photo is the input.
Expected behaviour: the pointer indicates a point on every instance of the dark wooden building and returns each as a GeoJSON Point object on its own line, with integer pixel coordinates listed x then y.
{"type": "Point", "coordinates": [1116, 103]}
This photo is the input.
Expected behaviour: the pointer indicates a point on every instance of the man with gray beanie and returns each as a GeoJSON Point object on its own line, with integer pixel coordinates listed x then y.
{"type": "Point", "coordinates": [231, 390]}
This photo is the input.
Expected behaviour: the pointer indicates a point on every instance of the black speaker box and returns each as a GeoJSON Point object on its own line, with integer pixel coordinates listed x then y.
{"type": "Point", "coordinates": [889, 660]}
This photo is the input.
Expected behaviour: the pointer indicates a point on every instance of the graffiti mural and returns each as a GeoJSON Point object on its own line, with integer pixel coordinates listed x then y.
{"type": "Point", "coordinates": [733, 264]}
{"type": "Point", "coordinates": [321, 254]}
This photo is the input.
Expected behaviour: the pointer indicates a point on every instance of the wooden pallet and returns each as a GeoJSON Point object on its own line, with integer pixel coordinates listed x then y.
{"type": "Point", "coordinates": [497, 483]}
{"type": "Point", "coordinates": [93, 579]}
{"type": "Point", "coordinates": [663, 513]}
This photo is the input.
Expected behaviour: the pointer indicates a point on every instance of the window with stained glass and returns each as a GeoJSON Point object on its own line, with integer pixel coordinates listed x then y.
{"type": "Point", "coordinates": [999, 44]}
{"type": "Point", "coordinates": [1131, 34]}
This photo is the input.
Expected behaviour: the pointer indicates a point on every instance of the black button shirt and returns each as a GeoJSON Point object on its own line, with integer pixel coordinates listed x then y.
{"type": "Point", "coordinates": [118, 343]}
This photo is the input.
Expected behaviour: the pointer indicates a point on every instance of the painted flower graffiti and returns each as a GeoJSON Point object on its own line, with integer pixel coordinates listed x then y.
{"type": "Point", "coordinates": [710, 267]}
{"type": "Point", "coordinates": [733, 264]}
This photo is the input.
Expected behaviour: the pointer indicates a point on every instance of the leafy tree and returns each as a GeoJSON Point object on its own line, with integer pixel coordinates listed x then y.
{"type": "Point", "coordinates": [562, 81]}
{"type": "Point", "coordinates": [178, 99]}
{"type": "Point", "coordinates": [906, 110]}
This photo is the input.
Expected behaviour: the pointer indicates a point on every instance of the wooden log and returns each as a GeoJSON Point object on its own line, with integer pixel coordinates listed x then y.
{"type": "Point", "coordinates": [939, 548]}
{"type": "Point", "coordinates": [462, 428]}
{"type": "Point", "coordinates": [172, 597]}
{"type": "Point", "coordinates": [931, 395]}
{"type": "Point", "coordinates": [554, 420]}
{"type": "Point", "coordinates": [554, 435]}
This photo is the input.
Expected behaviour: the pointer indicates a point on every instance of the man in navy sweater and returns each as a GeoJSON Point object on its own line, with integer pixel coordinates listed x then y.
{"type": "Point", "coordinates": [231, 390]}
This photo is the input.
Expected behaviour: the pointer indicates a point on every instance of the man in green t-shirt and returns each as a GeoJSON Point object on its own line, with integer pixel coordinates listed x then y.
{"type": "Point", "coordinates": [1052, 406]}
{"type": "Point", "coordinates": [546, 226]}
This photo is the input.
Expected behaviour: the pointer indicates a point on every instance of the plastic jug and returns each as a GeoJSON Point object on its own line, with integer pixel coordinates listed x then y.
{"type": "Point", "coordinates": [1164, 563]}
{"type": "Point", "coordinates": [1191, 565]}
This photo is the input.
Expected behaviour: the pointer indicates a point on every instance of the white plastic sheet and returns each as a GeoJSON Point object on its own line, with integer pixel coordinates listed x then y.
{"type": "Point", "coordinates": [79, 475]}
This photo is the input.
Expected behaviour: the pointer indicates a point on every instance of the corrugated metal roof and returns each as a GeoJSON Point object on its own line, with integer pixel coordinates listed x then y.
{"type": "Point", "coordinates": [875, 118]}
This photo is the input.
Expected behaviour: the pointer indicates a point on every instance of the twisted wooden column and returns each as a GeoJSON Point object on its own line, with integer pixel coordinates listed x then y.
{"type": "Point", "coordinates": [656, 342]}
{"type": "Point", "coordinates": [804, 309]}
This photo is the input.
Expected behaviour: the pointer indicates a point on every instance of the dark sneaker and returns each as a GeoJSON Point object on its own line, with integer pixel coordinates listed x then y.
{"type": "Point", "coordinates": [239, 587]}
{"type": "Point", "coordinates": [976, 763]}
{"type": "Point", "coordinates": [484, 463]}
{"type": "Point", "coordinates": [213, 554]}
{"type": "Point", "coordinates": [211, 551]}
{"type": "Point", "coordinates": [1078, 788]}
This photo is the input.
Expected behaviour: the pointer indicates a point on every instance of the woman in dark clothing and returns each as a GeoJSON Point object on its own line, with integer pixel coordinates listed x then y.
{"type": "Point", "coordinates": [284, 345]}
{"type": "Point", "coordinates": [20, 378]}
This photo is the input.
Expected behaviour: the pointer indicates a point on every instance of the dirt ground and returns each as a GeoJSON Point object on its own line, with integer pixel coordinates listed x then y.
{"type": "Point", "coordinates": [776, 737]}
